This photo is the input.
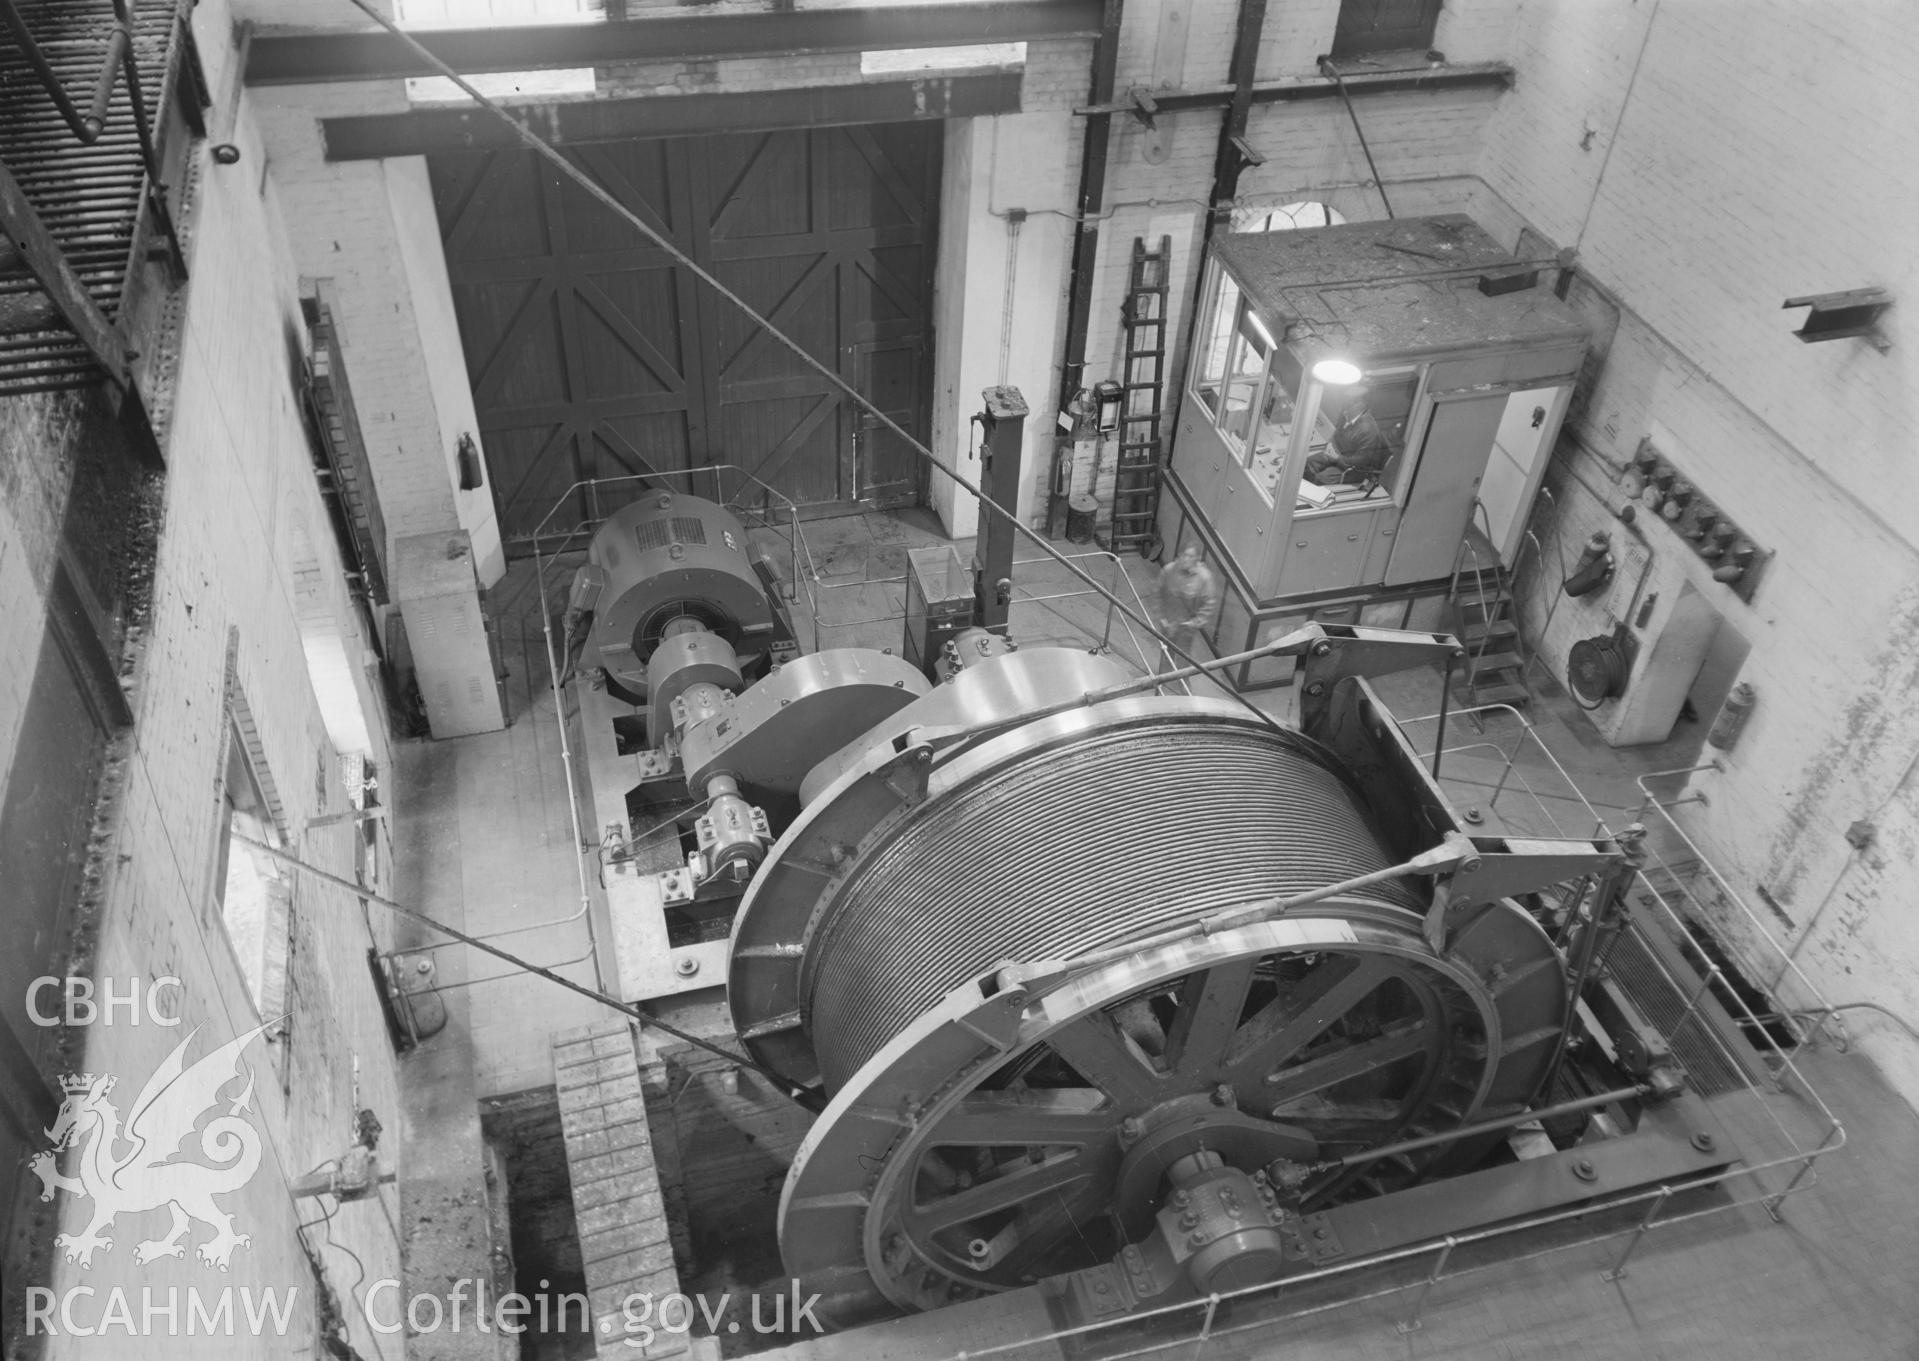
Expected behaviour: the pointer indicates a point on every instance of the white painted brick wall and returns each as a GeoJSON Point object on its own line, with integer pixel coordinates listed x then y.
{"type": "Point", "coordinates": [1758, 158]}
{"type": "Point", "coordinates": [1756, 161]}
{"type": "Point", "coordinates": [341, 224]}
{"type": "Point", "coordinates": [1058, 75]}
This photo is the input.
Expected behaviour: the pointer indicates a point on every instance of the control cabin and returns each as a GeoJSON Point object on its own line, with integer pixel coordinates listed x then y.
{"type": "Point", "coordinates": [1350, 500]}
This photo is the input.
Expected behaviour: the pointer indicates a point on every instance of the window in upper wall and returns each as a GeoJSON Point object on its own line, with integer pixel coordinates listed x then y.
{"type": "Point", "coordinates": [497, 13]}
{"type": "Point", "coordinates": [1287, 217]}
{"type": "Point", "coordinates": [252, 890]}
{"type": "Point", "coordinates": [1367, 26]}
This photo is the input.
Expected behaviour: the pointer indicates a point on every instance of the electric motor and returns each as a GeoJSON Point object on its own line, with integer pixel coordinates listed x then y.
{"type": "Point", "coordinates": [661, 563]}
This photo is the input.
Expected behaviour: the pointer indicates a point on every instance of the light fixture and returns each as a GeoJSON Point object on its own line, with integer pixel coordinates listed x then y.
{"type": "Point", "coordinates": [1260, 326]}
{"type": "Point", "coordinates": [1337, 372]}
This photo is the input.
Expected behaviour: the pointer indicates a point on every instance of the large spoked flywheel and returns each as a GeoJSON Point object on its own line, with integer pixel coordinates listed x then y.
{"type": "Point", "coordinates": [990, 1126]}
{"type": "Point", "coordinates": [1044, 1148]}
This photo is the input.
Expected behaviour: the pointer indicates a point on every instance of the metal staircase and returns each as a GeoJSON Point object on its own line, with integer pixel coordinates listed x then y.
{"type": "Point", "coordinates": [1486, 621]}
{"type": "Point", "coordinates": [87, 91]}
{"type": "Point", "coordinates": [1141, 446]}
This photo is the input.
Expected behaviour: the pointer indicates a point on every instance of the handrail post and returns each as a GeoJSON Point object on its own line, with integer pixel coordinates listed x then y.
{"type": "Point", "coordinates": [1206, 1328]}
{"type": "Point", "coordinates": [1692, 1003]}
{"type": "Point", "coordinates": [1618, 1270]}
{"type": "Point", "coordinates": [1500, 788]}
{"type": "Point", "coordinates": [1772, 1203]}
{"type": "Point", "coordinates": [1412, 1323]}
{"type": "Point", "coordinates": [1106, 637]}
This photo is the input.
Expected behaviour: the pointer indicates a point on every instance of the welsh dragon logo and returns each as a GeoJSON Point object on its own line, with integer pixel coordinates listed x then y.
{"type": "Point", "coordinates": [135, 1169]}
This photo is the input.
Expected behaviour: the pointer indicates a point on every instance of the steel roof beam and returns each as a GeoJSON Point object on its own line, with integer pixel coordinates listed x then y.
{"type": "Point", "coordinates": [1464, 76]}
{"type": "Point", "coordinates": [299, 58]}
{"type": "Point", "coordinates": [463, 127]}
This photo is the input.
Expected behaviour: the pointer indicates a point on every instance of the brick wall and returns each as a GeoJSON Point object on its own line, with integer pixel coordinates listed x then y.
{"type": "Point", "coordinates": [1706, 167]}
{"type": "Point", "coordinates": [239, 482]}
{"type": "Point", "coordinates": [36, 467]}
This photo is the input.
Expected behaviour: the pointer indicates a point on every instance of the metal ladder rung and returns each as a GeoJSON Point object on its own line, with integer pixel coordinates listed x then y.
{"type": "Point", "coordinates": [1136, 481]}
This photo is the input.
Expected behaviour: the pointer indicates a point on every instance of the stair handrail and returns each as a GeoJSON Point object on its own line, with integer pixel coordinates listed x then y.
{"type": "Point", "coordinates": [1519, 628]}
{"type": "Point", "coordinates": [1485, 519]}
{"type": "Point", "coordinates": [1459, 556]}
{"type": "Point", "coordinates": [1485, 615]}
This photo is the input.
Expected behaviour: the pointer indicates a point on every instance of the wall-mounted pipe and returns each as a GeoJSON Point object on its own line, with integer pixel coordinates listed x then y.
{"type": "Point", "coordinates": [1092, 189]}
{"type": "Point", "coordinates": [87, 126]}
{"type": "Point", "coordinates": [1339, 81]}
{"type": "Point", "coordinates": [1231, 156]}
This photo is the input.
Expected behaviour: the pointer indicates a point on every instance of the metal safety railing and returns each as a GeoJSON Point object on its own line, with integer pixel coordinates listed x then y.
{"type": "Point", "coordinates": [584, 528]}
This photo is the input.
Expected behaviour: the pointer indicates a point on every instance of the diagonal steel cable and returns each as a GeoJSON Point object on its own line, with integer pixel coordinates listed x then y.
{"type": "Point", "coordinates": [791, 1091]}
{"type": "Point", "coordinates": [546, 150]}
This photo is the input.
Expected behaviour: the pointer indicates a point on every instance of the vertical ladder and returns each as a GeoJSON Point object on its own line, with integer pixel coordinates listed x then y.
{"type": "Point", "coordinates": [1141, 453]}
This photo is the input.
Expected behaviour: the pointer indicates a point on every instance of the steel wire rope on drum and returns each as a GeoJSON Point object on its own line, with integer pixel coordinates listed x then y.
{"type": "Point", "coordinates": [599, 194]}
{"type": "Point", "coordinates": [1074, 847]}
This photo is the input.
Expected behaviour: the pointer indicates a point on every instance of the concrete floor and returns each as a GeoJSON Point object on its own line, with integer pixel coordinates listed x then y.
{"type": "Point", "coordinates": [484, 841]}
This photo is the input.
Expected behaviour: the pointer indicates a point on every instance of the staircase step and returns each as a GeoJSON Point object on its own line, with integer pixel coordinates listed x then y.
{"type": "Point", "coordinates": [1499, 693]}
{"type": "Point", "coordinates": [1495, 666]}
{"type": "Point", "coordinates": [1502, 627]}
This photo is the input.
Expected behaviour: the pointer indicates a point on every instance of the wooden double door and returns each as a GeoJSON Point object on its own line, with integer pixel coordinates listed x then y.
{"type": "Point", "coordinates": [593, 353]}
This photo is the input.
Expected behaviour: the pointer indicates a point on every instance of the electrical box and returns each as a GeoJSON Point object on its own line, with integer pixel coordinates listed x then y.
{"type": "Point", "coordinates": [939, 602]}
{"type": "Point", "coordinates": [446, 630]}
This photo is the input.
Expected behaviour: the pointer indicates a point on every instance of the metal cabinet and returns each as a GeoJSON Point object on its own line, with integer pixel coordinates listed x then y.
{"type": "Point", "coordinates": [1326, 552]}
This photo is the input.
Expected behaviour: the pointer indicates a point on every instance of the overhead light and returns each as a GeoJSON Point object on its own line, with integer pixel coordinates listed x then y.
{"type": "Point", "coordinates": [1260, 326]}
{"type": "Point", "coordinates": [1337, 372]}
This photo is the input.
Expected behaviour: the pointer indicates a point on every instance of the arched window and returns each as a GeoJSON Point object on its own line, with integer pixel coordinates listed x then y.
{"type": "Point", "coordinates": [1305, 214]}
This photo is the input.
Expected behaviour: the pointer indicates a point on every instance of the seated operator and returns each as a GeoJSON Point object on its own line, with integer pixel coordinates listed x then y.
{"type": "Point", "coordinates": [1358, 452]}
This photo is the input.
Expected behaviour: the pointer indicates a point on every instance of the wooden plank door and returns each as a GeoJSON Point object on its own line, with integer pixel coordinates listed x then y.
{"type": "Point", "coordinates": [574, 326]}
{"type": "Point", "coordinates": [829, 234]}
{"type": "Point", "coordinates": [592, 353]}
